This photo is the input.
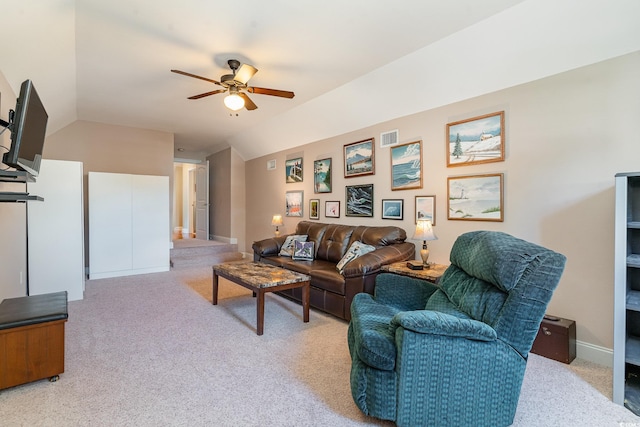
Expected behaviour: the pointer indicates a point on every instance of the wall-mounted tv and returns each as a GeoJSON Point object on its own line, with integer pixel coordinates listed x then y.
{"type": "Point", "coordinates": [28, 125]}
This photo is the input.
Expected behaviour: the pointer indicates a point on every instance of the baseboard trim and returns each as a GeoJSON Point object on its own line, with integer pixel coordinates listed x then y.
{"type": "Point", "coordinates": [594, 353]}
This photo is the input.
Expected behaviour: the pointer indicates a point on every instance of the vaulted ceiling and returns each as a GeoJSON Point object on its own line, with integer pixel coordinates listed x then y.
{"type": "Point", "coordinates": [350, 63]}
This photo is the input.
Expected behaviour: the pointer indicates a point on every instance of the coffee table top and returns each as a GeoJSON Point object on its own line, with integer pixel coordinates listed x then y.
{"type": "Point", "coordinates": [259, 275]}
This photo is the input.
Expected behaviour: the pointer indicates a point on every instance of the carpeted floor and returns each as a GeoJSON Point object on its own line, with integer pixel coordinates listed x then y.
{"type": "Point", "coordinates": [151, 350]}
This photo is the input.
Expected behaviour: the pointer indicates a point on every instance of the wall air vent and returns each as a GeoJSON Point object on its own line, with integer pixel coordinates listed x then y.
{"type": "Point", "coordinates": [271, 165]}
{"type": "Point", "coordinates": [387, 139]}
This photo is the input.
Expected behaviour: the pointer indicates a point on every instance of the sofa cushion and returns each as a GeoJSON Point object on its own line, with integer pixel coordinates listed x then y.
{"type": "Point", "coordinates": [288, 245]}
{"type": "Point", "coordinates": [303, 251]}
{"type": "Point", "coordinates": [378, 236]}
{"type": "Point", "coordinates": [334, 242]}
{"type": "Point", "coordinates": [328, 279]}
{"type": "Point", "coordinates": [315, 231]}
{"type": "Point", "coordinates": [356, 250]}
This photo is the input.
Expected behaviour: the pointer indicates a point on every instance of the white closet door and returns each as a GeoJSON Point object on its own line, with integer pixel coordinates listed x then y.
{"type": "Point", "coordinates": [150, 217]}
{"type": "Point", "coordinates": [56, 230]}
{"type": "Point", "coordinates": [110, 225]}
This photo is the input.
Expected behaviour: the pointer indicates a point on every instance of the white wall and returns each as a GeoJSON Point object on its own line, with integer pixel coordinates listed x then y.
{"type": "Point", "coordinates": [566, 137]}
{"type": "Point", "coordinates": [13, 217]}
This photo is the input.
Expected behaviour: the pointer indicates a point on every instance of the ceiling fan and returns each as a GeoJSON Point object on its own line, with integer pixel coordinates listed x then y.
{"type": "Point", "coordinates": [235, 84]}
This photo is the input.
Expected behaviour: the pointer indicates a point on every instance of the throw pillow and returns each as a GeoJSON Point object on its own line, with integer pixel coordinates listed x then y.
{"type": "Point", "coordinates": [287, 246]}
{"type": "Point", "coordinates": [303, 251]}
{"type": "Point", "coordinates": [357, 249]}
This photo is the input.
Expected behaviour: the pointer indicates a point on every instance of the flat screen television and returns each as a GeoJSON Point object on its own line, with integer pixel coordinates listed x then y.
{"type": "Point", "coordinates": [28, 124]}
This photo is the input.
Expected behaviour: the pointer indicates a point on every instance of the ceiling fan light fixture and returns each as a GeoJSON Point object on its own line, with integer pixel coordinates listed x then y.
{"type": "Point", "coordinates": [233, 101]}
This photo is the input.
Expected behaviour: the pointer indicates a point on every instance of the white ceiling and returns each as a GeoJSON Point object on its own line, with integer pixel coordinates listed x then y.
{"type": "Point", "coordinates": [109, 60]}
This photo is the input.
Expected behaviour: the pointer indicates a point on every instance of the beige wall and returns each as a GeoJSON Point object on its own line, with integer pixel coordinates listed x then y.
{"type": "Point", "coordinates": [116, 149]}
{"type": "Point", "coordinates": [566, 137]}
{"type": "Point", "coordinates": [238, 203]}
{"type": "Point", "coordinates": [227, 196]}
{"type": "Point", "coordinates": [12, 216]}
{"type": "Point", "coordinates": [220, 194]}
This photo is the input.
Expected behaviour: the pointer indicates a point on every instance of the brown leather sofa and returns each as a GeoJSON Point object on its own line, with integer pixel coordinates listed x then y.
{"type": "Point", "coordinates": [331, 291]}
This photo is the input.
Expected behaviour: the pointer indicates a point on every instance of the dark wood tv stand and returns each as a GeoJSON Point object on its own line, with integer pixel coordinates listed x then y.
{"type": "Point", "coordinates": [32, 338]}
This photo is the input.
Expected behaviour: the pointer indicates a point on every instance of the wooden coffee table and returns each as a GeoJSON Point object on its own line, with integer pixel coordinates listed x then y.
{"type": "Point", "coordinates": [262, 278]}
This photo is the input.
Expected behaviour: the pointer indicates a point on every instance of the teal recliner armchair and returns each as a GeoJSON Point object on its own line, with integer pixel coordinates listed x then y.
{"type": "Point", "coordinates": [453, 354]}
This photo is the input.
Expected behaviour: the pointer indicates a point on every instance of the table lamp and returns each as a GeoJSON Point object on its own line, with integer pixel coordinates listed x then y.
{"type": "Point", "coordinates": [424, 232]}
{"type": "Point", "coordinates": [277, 221]}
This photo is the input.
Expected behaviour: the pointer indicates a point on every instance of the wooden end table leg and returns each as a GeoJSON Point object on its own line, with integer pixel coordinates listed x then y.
{"type": "Point", "coordinates": [215, 289]}
{"type": "Point", "coordinates": [260, 314]}
{"type": "Point", "coordinates": [305, 302]}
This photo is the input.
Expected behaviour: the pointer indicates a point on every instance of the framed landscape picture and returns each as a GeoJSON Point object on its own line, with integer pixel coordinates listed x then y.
{"type": "Point", "coordinates": [359, 158]}
{"type": "Point", "coordinates": [392, 209]}
{"type": "Point", "coordinates": [359, 200]}
{"type": "Point", "coordinates": [332, 209]}
{"type": "Point", "coordinates": [293, 170]}
{"type": "Point", "coordinates": [406, 166]}
{"type": "Point", "coordinates": [314, 209]}
{"type": "Point", "coordinates": [476, 140]}
{"type": "Point", "coordinates": [322, 176]}
{"type": "Point", "coordinates": [293, 206]}
{"type": "Point", "coordinates": [475, 197]}
{"type": "Point", "coordinates": [426, 208]}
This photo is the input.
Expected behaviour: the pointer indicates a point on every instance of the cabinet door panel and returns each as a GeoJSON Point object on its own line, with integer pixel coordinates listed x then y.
{"type": "Point", "coordinates": [150, 217]}
{"type": "Point", "coordinates": [56, 230]}
{"type": "Point", "coordinates": [110, 223]}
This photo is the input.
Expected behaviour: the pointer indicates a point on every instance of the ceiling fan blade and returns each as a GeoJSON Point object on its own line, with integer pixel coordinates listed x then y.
{"type": "Point", "coordinates": [202, 95]}
{"type": "Point", "coordinates": [244, 73]}
{"type": "Point", "coordinates": [248, 103]}
{"type": "Point", "coordinates": [272, 92]}
{"type": "Point", "coordinates": [184, 73]}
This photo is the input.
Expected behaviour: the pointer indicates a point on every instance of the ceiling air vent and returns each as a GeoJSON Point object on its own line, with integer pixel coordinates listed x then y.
{"type": "Point", "coordinates": [271, 165]}
{"type": "Point", "coordinates": [387, 139]}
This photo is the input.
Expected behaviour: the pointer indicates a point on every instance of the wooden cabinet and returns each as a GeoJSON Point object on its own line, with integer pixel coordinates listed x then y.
{"type": "Point", "coordinates": [626, 346]}
{"type": "Point", "coordinates": [129, 230]}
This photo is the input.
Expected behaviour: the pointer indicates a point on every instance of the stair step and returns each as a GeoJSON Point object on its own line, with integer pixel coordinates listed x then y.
{"type": "Point", "coordinates": [204, 255]}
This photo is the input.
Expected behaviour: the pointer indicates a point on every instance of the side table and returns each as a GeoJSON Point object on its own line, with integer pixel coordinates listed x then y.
{"type": "Point", "coordinates": [431, 274]}
{"type": "Point", "coordinates": [32, 338]}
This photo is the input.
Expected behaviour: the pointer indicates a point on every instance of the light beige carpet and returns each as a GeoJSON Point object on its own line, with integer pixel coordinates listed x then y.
{"type": "Point", "coordinates": [151, 350]}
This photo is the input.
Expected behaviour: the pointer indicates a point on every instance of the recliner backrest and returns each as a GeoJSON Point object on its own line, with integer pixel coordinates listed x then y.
{"type": "Point", "coordinates": [503, 281]}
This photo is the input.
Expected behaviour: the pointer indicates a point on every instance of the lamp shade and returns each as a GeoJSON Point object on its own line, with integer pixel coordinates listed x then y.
{"type": "Point", "coordinates": [424, 231]}
{"type": "Point", "coordinates": [277, 220]}
{"type": "Point", "coordinates": [234, 102]}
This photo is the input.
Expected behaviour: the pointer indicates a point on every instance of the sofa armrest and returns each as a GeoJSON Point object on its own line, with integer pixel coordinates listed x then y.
{"type": "Point", "coordinates": [268, 247]}
{"type": "Point", "coordinates": [403, 292]}
{"type": "Point", "coordinates": [436, 323]}
{"type": "Point", "coordinates": [370, 263]}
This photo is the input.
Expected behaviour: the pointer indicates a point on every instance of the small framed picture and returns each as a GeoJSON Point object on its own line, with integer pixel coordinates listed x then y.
{"type": "Point", "coordinates": [426, 208]}
{"type": "Point", "coordinates": [475, 197]}
{"type": "Point", "coordinates": [476, 140]}
{"type": "Point", "coordinates": [332, 209]}
{"type": "Point", "coordinates": [293, 169]}
{"type": "Point", "coordinates": [359, 200]}
{"type": "Point", "coordinates": [406, 166]}
{"type": "Point", "coordinates": [322, 176]}
{"type": "Point", "coordinates": [294, 201]}
{"type": "Point", "coordinates": [392, 208]}
{"type": "Point", "coordinates": [359, 158]}
{"type": "Point", "coordinates": [314, 209]}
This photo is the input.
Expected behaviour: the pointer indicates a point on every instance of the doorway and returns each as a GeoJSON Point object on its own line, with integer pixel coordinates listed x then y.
{"type": "Point", "coordinates": [190, 216]}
